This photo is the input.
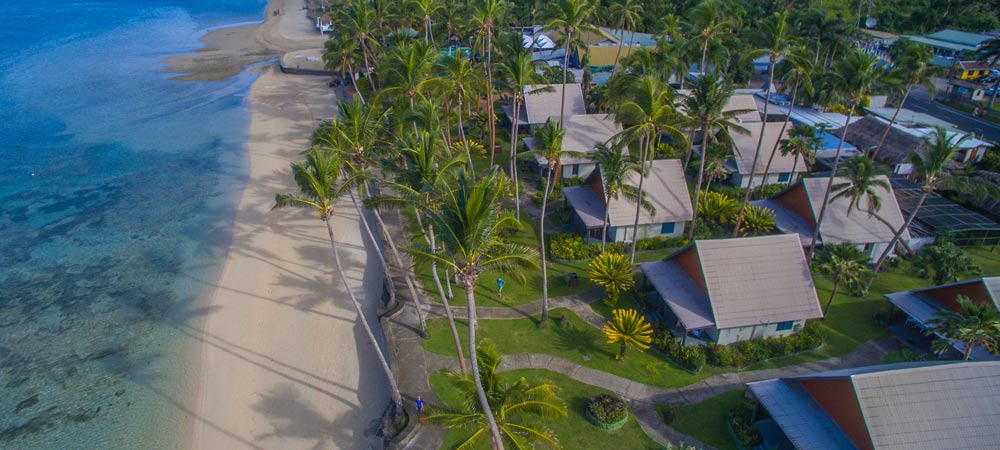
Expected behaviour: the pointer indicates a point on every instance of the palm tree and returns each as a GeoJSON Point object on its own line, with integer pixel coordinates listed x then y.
{"type": "Point", "coordinates": [426, 9]}
{"type": "Point", "coordinates": [471, 224]}
{"type": "Point", "coordinates": [406, 72]}
{"type": "Point", "coordinates": [802, 143]}
{"type": "Point", "coordinates": [616, 165]}
{"type": "Point", "coordinates": [342, 54]}
{"type": "Point", "coordinates": [912, 66]}
{"type": "Point", "coordinates": [707, 22]}
{"type": "Point", "coordinates": [627, 13]}
{"type": "Point", "coordinates": [649, 111]}
{"type": "Point", "coordinates": [548, 143]}
{"type": "Point", "coordinates": [519, 71]}
{"type": "Point", "coordinates": [757, 220]}
{"type": "Point", "coordinates": [416, 186]}
{"type": "Point", "coordinates": [628, 328]}
{"type": "Point", "coordinates": [775, 42]}
{"type": "Point", "coordinates": [515, 405]}
{"type": "Point", "coordinates": [359, 22]}
{"type": "Point", "coordinates": [972, 325]}
{"type": "Point", "coordinates": [705, 105]}
{"type": "Point", "coordinates": [568, 17]}
{"type": "Point", "coordinates": [614, 273]}
{"type": "Point", "coordinates": [931, 172]}
{"type": "Point", "coordinates": [989, 51]}
{"type": "Point", "coordinates": [355, 136]}
{"type": "Point", "coordinates": [845, 264]}
{"type": "Point", "coordinates": [487, 14]}
{"type": "Point", "coordinates": [317, 180]}
{"type": "Point", "coordinates": [854, 77]}
{"type": "Point", "coordinates": [864, 181]}
{"type": "Point", "coordinates": [460, 81]}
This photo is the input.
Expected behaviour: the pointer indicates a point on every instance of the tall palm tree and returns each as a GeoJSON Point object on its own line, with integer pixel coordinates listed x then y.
{"type": "Point", "coordinates": [518, 72]}
{"type": "Point", "coordinates": [775, 41]}
{"type": "Point", "coordinates": [416, 186]}
{"type": "Point", "coordinates": [972, 325]}
{"type": "Point", "coordinates": [355, 136]}
{"type": "Point", "coordinates": [426, 9]}
{"type": "Point", "coordinates": [649, 111]}
{"type": "Point", "coordinates": [912, 67]}
{"type": "Point", "coordinates": [864, 181]}
{"type": "Point", "coordinates": [845, 263]}
{"type": "Point", "coordinates": [705, 106]}
{"type": "Point", "coordinates": [340, 53]}
{"type": "Point", "coordinates": [931, 172]}
{"type": "Point", "coordinates": [707, 22]}
{"type": "Point", "coordinates": [568, 17]}
{"type": "Point", "coordinates": [616, 165]}
{"type": "Point", "coordinates": [627, 13]}
{"type": "Point", "coordinates": [359, 22]}
{"type": "Point", "coordinates": [515, 405]}
{"type": "Point", "coordinates": [471, 223]}
{"type": "Point", "coordinates": [548, 144]}
{"type": "Point", "coordinates": [460, 82]}
{"type": "Point", "coordinates": [854, 77]}
{"type": "Point", "coordinates": [407, 71]}
{"type": "Point", "coordinates": [317, 180]}
{"type": "Point", "coordinates": [488, 13]}
{"type": "Point", "coordinates": [801, 144]}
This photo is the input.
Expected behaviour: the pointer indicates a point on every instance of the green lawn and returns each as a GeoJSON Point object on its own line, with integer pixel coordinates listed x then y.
{"type": "Point", "coordinates": [574, 432]}
{"type": "Point", "coordinates": [576, 341]}
{"type": "Point", "coordinates": [706, 421]}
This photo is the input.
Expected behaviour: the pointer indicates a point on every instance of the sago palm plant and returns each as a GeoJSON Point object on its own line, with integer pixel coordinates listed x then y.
{"type": "Point", "coordinates": [613, 272]}
{"type": "Point", "coordinates": [628, 328]}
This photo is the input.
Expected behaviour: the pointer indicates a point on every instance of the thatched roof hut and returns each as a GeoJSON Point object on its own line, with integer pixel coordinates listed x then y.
{"type": "Point", "coordinates": [865, 134]}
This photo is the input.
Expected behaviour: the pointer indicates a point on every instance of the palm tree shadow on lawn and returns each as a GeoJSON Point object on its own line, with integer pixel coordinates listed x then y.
{"type": "Point", "coordinates": [578, 340]}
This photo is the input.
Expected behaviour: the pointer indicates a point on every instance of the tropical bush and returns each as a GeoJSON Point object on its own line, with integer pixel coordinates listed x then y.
{"type": "Point", "coordinates": [568, 246]}
{"type": "Point", "coordinates": [661, 242]}
{"type": "Point", "coordinates": [613, 271]}
{"type": "Point", "coordinates": [717, 207]}
{"type": "Point", "coordinates": [756, 221]}
{"type": "Point", "coordinates": [571, 246]}
{"type": "Point", "coordinates": [944, 262]}
{"type": "Point", "coordinates": [688, 357]}
{"type": "Point", "coordinates": [628, 328]}
{"type": "Point", "coordinates": [745, 353]}
{"type": "Point", "coordinates": [607, 409]}
{"type": "Point", "coordinates": [759, 192]}
{"type": "Point", "coordinates": [741, 421]}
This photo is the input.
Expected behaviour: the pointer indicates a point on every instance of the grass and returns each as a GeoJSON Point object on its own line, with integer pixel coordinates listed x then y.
{"type": "Point", "coordinates": [573, 432]}
{"type": "Point", "coordinates": [706, 421]}
{"type": "Point", "coordinates": [575, 341]}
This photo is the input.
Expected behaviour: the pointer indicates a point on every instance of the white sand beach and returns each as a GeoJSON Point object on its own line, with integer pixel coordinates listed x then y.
{"type": "Point", "coordinates": [282, 362]}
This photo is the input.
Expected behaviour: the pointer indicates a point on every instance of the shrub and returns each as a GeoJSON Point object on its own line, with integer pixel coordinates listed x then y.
{"type": "Point", "coordinates": [612, 271]}
{"type": "Point", "coordinates": [661, 242]}
{"type": "Point", "coordinates": [607, 409]}
{"type": "Point", "coordinates": [669, 413]}
{"type": "Point", "coordinates": [745, 353]}
{"type": "Point", "coordinates": [689, 357]}
{"type": "Point", "coordinates": [567, 246]}
{"type": "Point", "coordinates": [740, 421]}
{"type": "Point", "coordinates": [717, 207]}
{"type": "Point", "coordinates": [757, 220]}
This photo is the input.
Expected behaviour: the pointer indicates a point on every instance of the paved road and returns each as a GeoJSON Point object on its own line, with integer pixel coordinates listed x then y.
{"type": "Point", "coordinates": [919, 101]}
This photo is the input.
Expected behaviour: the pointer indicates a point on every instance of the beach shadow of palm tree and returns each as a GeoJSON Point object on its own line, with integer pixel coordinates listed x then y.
{"type": "Point", "coordinates": [584, 341]}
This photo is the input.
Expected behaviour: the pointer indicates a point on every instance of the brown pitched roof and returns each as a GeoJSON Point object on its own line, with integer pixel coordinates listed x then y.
{"type": "Point", "coordinates": [865, 134]}
{"type": "Point", "coordinates": [583, 133]}
{"type": "Point", "coordinates": [974, 65]}
{"type": "Point", "coordinates": [746, 145]}
{"type": "Point", "coordinates": [539, 106]}
{"type": "Point", "coordinates": [665, 187]}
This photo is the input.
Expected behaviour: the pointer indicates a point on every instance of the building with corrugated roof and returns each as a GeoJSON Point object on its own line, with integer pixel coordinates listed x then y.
{"type": "Point", "coordinates": [907, 406]}
{"type": "Point", "coordinates": [730, 290]}
{"type": "Point", "coordinates": [949, 44]}
{"type": "Point", "coordinates": [582, 135]}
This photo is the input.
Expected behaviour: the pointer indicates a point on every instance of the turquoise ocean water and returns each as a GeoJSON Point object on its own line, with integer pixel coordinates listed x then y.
{"type": "Point", "coordinates": [117, 190]}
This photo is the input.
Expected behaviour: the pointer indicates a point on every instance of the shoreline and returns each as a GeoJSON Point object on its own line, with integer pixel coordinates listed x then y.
{"type": "Point", "coordinates": [277, 364]}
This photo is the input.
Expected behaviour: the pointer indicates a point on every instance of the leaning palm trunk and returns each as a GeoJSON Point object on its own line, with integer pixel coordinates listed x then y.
{"type": "Point", "coordinates": [355, 85]}
{"type": "Point", "coordinates": [378, 249]}
{"type": "Point", "coordinates": [444, 300]}
{"type": "Point", "coordinates": [397, 400]}
{"type": "Point", "coordinates": [889, 226]}
{"type": "Point", "coordinates": [491, 119]}
{"type": "Point", "coordinates": [829, 184]}
{"type": "Point", "coordinates": [513, 156]}
{"type": "Point", "coordinates": [407, 277]}
{"type": "Point", "coordinates": [562, 102]}
{"type": "Point", "coordinates": [607, 214]}
{"type": "Point", "coordinates": [643, 154]}
{"type": "Point", "coordinates": [899, 233]}
{"type": "Point", "coordinates": [756, 153]}
{"type": "Point", "coordinates": [770, 159]}
{"type": "Point", "coordinates": [541, 234]}
{"type": "Point", "coordinates": [465, 143]}
{"type": "Point", "coordinates": [833, 293]}
{"type": "Point", "coordinates": [706, 135]}
{"type": "Point", "coordinates": [618, 54]}
{"type": "Point", "coordinates": [469, 281]}
{"type": "Point", "coordinates": [892, 122]}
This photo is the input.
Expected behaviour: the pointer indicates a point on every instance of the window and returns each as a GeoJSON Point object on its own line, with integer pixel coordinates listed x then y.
{"type": "Point", "coordinates": [784, 326]}
{"type": "Point", "coordinates": [574, 169]}
{"type": "Point", "coordinates": [667, 228]}
{"type": "Point", "coordinates": [784, 177]}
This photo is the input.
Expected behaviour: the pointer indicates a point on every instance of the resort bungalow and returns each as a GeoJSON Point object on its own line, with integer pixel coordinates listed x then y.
{"type": "Point", "coordinates": [583, 133]}
{"type": "Point", "coordinates": [540, 104]}
{"type": "Point", "coordinates": [948, 44]}
{"type": "Point", "coordinates": [913, 406]}
{"type": "Point", "coordinates": [665, 188]}
{"type": "Point", "coordinates": [750, 113]}
{"type": "Point", "coordinates": [797, 208]}
{"type": "Point", "coordinates": [901, 141]}
{"type": "Point", "coordinates": [919, 306]}
{"type": "Point", "coordinates": [730, 290]}
{"type": "Point", "coordinates": [783, 168]}
{"type": "Point", "coordinates": [971, 70]}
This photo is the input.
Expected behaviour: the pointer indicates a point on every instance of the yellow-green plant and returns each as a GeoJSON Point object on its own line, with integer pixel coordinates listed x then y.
{"type": "Point", "coordinates": [717, 207]}
{"type": "Point", "coordinates": [758, 220]}
{"type": "Point", "coordinates": [614, 272]}
{"type": "Point", "coordinates": [628, 327]}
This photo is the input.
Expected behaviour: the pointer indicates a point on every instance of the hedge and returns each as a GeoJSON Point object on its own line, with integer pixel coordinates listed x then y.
{"type": "Point", "coordinates": [572, 247]}
{"type": "Point", "coordinates": [737, 355]}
